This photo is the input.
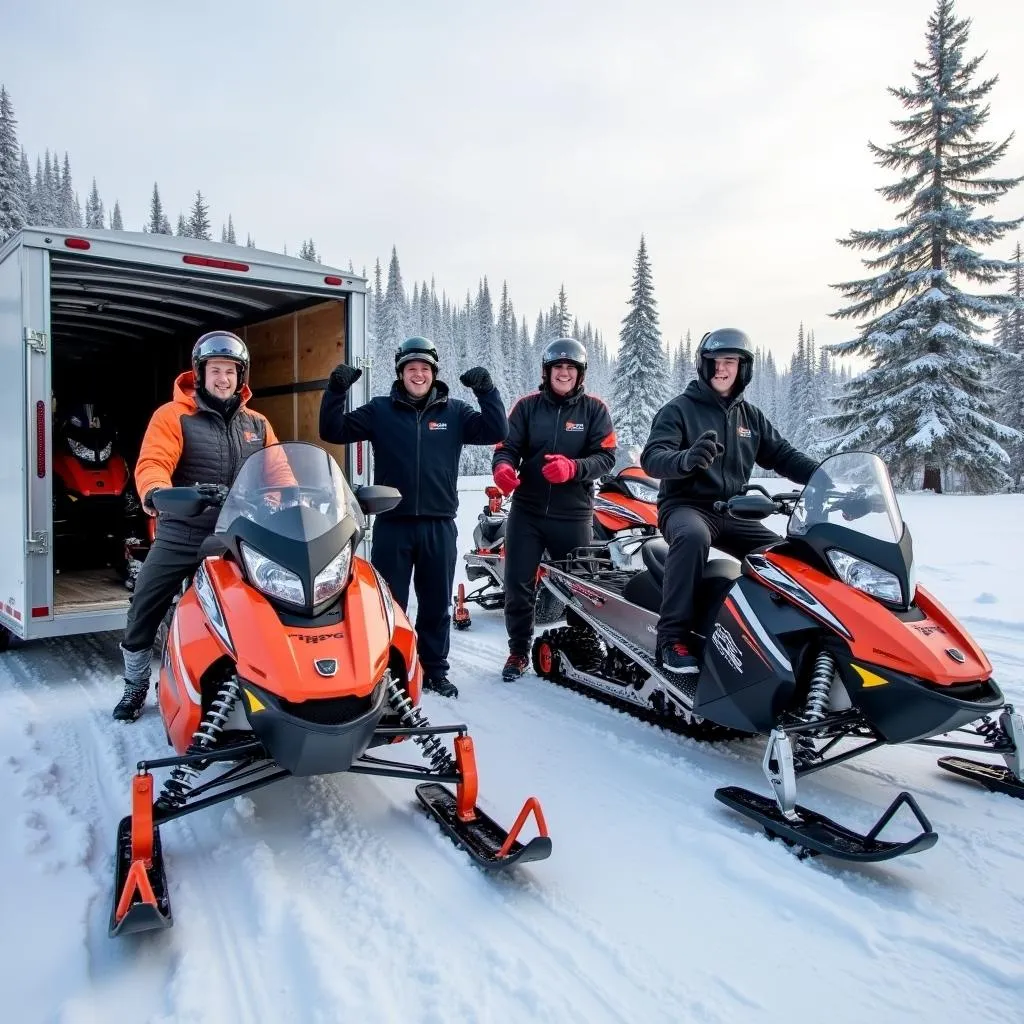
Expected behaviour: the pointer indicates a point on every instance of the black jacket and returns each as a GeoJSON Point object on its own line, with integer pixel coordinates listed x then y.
{"type": "Point", "coordinates": [746, 432]}
{"type": "Point", "coordinates": [416, 450]}
{"type": "Point", "coordinates": [578, 426]}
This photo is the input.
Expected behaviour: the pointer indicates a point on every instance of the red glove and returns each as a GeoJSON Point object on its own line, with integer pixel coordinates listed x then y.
{"type": "Point", "coordinates": [506, 478]}
{"type": "Point", "coordinates": [560, 469]}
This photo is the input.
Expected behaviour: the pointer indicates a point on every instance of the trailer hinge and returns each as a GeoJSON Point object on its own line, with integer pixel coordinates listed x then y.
{"type": "Point", "coordinates": [38, 543]}
{"type": "Point", "coordinates": [36, 340]}
{"type": "Point", "coordinates": [364, 363]}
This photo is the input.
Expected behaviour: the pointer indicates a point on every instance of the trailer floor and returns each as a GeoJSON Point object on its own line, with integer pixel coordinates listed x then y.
{"type": "Point", "coordinates": [85, 590]}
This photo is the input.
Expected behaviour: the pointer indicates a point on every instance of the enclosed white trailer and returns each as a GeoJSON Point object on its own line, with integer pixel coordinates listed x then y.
{"type": "Point", "coordinates": [117, 312]}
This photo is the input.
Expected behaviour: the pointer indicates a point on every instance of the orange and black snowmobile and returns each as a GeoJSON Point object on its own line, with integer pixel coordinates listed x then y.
{"type": "Point", "coordinates": [824, 643]}
{"type": "Point", "coordinates": [625, 512]}
{"type": "Point", "coordinates": [286, 655]}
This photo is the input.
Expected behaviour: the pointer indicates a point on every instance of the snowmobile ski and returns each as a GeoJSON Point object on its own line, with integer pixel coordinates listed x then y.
{"type": "Point", "coordinates": [993, 777]}
{"type": "Point", "coordinates": [816, 834]}
{"type": "Point", "coordinates": [482, 837]}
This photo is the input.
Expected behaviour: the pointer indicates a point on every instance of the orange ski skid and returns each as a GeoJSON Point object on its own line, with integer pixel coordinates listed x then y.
{"type": "Point", "coordinates": [532, 804]}
{"type": "Point", "coordinates": [142, 848]}
{"type": "Point", "coordinates": [880, 638]}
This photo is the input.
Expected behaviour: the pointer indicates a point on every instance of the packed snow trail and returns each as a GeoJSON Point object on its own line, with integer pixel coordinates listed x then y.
{"type": "Point", "coordinates": [336, 898]}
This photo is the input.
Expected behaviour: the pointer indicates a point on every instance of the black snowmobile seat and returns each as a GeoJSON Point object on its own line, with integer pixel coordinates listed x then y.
{"type": "Point", "coordinates": [655, 553]}
{"type": "Point", "coordinates": [645, 480]}
{"type": "Point", "coordinates": [492, 528]}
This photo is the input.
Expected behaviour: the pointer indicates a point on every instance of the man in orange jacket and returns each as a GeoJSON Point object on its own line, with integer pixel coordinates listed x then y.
{"type": "Point", "coordinates": [200, 438]}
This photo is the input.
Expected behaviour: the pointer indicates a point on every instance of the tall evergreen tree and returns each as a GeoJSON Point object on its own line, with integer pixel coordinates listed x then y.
{"type": "Point", "coordinates": [229, 232]}
{"type": "Point", "coordinates": [183, 230]}
{"type": "Point", "coordinates": [308, 252]}
{"type": "Point", "coordinates": [250, 242]}
{"type": "Point", "coordinates": [639, 389]}
{"type": "Point", "coordinates": [70, 211]}
{"type": "Point", "coordinates": [392, 322]}
{"type": "Point", "coordinates": [158, 222]}
{"type": "Point", "coordinates": [199, 218]}
{"type": "Point", "coordinates": [116, 224]}
{"type": "Point", "coordinates": [12, 204]}
{"type": "Point", "coordinates": [926, 402]}
{"type": "Point", "coordinates": [25, 187]}
{"type": "Point", "coordinates": [94, 213]}
{"type": "Point", "coordinates": [560, 328]}
{"type": "Point", "coordinates": [1010, 375]}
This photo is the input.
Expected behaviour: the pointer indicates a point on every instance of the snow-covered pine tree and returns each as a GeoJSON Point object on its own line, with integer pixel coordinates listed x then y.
{"type": "Point", "coordinates": [49, 204]}
{"type": "Point", "coordinates": [250, 242]}
{"type": "Point", "coordinates": [307, 251]}
{"type": "Point", "coordinates": [95, 215]}
{"type": "Point", "coordinates": [1010, 374]}
{"type": "Point", "coordinates": [229, 234]}
{"type": "Point", "coordinates": [639, 389]}
{"type": "Point", "coordinates": [199, 218]}
{"type": "Point", "coordinates": [116, 223]}
{"type": "Point", "coordinates": [12, 204]}
{"type": "Point", "coordinates": [28, 199]}
{"type": "Point", "coordinates": [70, 211]}
{"type": "Point", "coordinates": [392, 322]}
{"type": "Point", "coordinates": [926, 402]}
{"type": "Point", "coordinates": [159, 223]}
{"type": "Point", "coordinates": [183, 230]}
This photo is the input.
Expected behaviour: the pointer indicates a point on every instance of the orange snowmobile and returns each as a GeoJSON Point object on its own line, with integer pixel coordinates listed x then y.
{"type": "Point", "coordinates": [286, 655]}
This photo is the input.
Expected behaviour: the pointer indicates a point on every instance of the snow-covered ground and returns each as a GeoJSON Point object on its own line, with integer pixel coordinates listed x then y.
{"type": "Point", "coordinates": [335, 899]}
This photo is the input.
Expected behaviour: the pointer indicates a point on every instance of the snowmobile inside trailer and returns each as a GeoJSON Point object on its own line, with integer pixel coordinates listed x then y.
{"type": "Point", "coordinates": [625, 513]}
{"type": "Point", "coordinates": [287, 656]}
{"type": "Point", "coordinates": [823, 643]}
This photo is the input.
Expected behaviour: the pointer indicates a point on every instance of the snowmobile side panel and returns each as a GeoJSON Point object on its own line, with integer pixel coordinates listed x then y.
{"type": "Point", "coordinates": [816, 834]}
{"type": "Point", "coordinates": [483, 839]}
{"type": "Point", "coordinates": [994, 777]}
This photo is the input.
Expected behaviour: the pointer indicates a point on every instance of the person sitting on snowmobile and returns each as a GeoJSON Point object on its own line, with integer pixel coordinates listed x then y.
{"type": "Point", "coordinates": [703, 445]}
{"type": "Point", "coordinates": [560, 440]}
{"type": "Point", "coordinates": [417, 433]}
{"type": "Point", "coordinates": [200, 438]}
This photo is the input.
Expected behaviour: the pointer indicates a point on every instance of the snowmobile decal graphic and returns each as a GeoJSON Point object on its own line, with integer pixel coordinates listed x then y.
{"type": "Point", "coordinates": [727, 647]}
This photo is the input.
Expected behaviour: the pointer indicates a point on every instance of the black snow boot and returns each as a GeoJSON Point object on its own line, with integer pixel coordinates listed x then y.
{"type": "Point", "coordinates": [441, 685]}
{"type": "Point", "coordinates": [676, 657]}
{"type": "Point", "coordinates": [130, 706]}
{"type": "Point", "coordinates": [515, 666]}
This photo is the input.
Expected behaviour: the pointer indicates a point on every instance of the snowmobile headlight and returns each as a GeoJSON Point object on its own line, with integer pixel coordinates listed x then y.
{"type": "Point", "coordinates": [106, 452]}
{"type": "Point", "coordinates": [641, 491]}
{"type": "Point", "coordinates": [273, 579]}
{"type": "Point", "coordinates": [865, 576]}
{"type": "Point", "coordinates": [80, 451]}
{"type": "Point", "coordinates": [332, 578]}
{"type": "Point", "coordinates": [208, 599]}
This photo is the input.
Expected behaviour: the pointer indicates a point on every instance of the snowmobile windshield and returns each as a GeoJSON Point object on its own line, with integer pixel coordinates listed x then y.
{"type": "Point", "coordinates": [851, 490]}
{"type": "Point", "coordinates": [293, 489]}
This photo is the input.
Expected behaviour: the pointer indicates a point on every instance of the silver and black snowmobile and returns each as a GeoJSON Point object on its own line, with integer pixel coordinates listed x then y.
{"type": "Point", "coordinates": [824, 643]}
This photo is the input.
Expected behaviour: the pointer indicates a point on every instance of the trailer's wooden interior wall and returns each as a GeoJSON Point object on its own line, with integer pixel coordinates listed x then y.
{"type": "Point", "coordinates": [292, 357]}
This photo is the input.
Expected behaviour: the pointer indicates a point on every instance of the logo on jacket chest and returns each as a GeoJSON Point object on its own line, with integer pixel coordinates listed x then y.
{"type": "Point", "coordinates": [743, 431]}
{"type": "Point", "coordinates": [574, 428]}
{"type": "Point", "coordinates": [436, 425]}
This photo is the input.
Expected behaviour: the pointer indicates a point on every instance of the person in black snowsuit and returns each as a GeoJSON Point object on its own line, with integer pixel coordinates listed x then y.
{"type": "Point", "coordinates": [703, 445]}
{"type": "Point", "coordinates": [560, 440]}
{"type": "Point", "coordinates": [417, 433]}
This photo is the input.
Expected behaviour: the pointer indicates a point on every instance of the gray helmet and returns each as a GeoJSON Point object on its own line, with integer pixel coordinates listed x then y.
{"type": "Point", "coordinates": [412, 349]}
{"type": "Point", "coordinates": [726, 341]}
{"type": "Point", "coordinates": [565, 350]}
{"type": "Point", "coordinates": [220, 345]}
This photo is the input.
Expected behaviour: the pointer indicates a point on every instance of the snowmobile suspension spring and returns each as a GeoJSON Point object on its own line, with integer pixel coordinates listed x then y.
{"type": "Point", "coordinates": [989, 731]}
{"type": "Point", "coordinates": [177, 788]}
{"type": "Point", "coordinates": [817, 701]}
{"type": "Point", "coordinates": [412, 717]}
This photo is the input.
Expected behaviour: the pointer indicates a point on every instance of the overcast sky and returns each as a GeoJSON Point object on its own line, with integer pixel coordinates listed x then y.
{"type": "Point", "coordinates": [531, 141]}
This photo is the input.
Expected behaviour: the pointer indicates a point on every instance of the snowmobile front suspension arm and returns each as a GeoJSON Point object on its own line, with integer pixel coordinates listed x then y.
{"type": "Point", "coordinates": [808, 769]}
{"type": "Point", "coordinates": [160, 816]}
{"type": "Point", "coordinates": [237, 752]}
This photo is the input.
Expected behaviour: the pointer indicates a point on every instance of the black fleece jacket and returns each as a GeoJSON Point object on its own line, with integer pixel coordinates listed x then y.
{"type": "Point", "coordinates": [746, 432]}
{"type": "Point", "coordinates": [416, 449]}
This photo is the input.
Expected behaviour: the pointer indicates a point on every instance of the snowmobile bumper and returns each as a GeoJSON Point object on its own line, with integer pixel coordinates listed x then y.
{"type": "Point", "coordinates": [815, 834]}
{"type": "Point", "coordinates": [141, 902]}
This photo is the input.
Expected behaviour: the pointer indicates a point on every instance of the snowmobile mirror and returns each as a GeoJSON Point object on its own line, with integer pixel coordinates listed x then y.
{"type": "Point", "coordinates": [492, 492]}
{"type": "Point", "coordinates": [751, 506]}
{"type": "Point", "coordinates": [375, 498]}
{"type": "Point", "coordinates": [181, 502]}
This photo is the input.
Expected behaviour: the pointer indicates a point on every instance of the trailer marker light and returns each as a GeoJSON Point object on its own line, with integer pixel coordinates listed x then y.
{"type": "Point", "coordinates": [332, 280]}
{"type": "Point", "coordinates": [41, 613]}
{"type": "Point", "coordinates": [40, 440]}
{"type": "Point", "coordinates": [77, 243]}
{"type": "Point", "coordinates": [359, 458]}
{"type": "Point", "coordinates": [210, 261]}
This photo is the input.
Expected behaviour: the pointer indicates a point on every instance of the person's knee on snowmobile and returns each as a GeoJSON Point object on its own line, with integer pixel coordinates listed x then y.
{"type": "Point", "coordinates": [560, 440]}
{"type": "Point", "coordinates": [417, 433]}
{"type": "Point", "coordinates": [703, 445]}
{"type": "Point", "coordinates": [200, 438]}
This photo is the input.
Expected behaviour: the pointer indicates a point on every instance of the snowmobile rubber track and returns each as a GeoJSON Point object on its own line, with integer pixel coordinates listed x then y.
{"type": "Point", "coordinates": [816, 834]}
{"type": "Point", "coordinates": [994, 777]}
{"type": "Point", "coordinates": [141, 917]}
{"type": "Point", "coordinates": [481, 838]}
{"type": "Point", "coordinates": [708, 732]}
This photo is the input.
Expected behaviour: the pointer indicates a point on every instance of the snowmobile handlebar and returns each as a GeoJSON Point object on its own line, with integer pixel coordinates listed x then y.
{"type": "Point", "coordinates": [755, 503]}
{"type": "Point", "coordinates": [184, 502]}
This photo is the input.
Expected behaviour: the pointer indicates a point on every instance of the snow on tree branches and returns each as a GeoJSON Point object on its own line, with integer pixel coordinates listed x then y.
{"type": "Point", "coordinates": [927, 402]}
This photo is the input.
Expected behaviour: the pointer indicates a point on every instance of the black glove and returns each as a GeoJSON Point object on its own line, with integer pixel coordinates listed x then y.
{"type": "Point", "coordinates": [477, 379]}
{"type": "Point", "coordinates": [703, 452]}
{"type": "Point", "coordinates": [342, 378]}
{"type": "Point", "coordinates": [212, 494]}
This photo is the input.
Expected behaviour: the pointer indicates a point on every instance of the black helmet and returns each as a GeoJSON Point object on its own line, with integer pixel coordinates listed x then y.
{"type": "Point", "coordinates": [220, 345]}
{"type": "Point", "coordinates": [564, 350]}
{"type": "Point", "coordinates": [726, 341]}
{"type": "Point", "coordinates": [412, 349]}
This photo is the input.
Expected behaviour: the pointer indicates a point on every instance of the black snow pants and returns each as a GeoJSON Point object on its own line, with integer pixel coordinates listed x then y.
{"type": "Point", "coordinates": [159, 579]}
{"type": "Point", "coordinates": [527, 536]}
{"type": "Point", "coordinates": [423, 548]}
{"type": "Point", "coordinates": [690, 533]}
